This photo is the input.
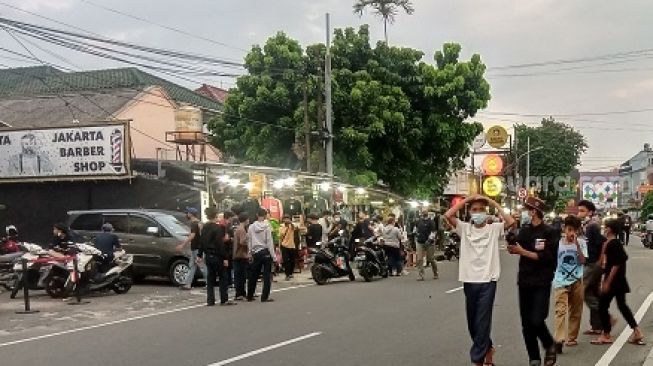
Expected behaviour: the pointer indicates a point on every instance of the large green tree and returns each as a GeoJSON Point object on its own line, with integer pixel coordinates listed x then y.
{"type": "Point", "coordinates": [386, 9]}
{"type": "Point", "coordinates": [556, 150]}
{"type": "Point", "coordinates": [396, 118]}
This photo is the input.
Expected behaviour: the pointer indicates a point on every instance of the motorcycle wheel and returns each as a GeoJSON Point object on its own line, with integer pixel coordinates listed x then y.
{"type": "Point", "coordinates": [318, 275]}
{"type": "Point", "coordinates": [55, 286]}
{"type": "Point", "coordinates": [122, 286]}
{"type": "Point", "coordinates": [365, 273]}
{"type": "Point", "coordinates": [15, 287]}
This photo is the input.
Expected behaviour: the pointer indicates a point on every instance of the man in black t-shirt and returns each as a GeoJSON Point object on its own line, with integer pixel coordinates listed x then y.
{"type": "Point", "coordinates": [214, 253]}
{"type": "Point", "coordinates": [192, 214]}
{"type": "Point", "coordinates": [313, 232]}
{"type": "Point", "coordinates": [537, 249]}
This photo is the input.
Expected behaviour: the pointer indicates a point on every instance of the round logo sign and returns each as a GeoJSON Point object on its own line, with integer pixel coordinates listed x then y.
{"type": "Point", "coordinates": [497, 136]}
{"type": "Point", "coordinates": [492, 164]}
{"type": "Point", "coordinates": [479, 141]}
{"type": "Point", "coordinates": [492, 186]}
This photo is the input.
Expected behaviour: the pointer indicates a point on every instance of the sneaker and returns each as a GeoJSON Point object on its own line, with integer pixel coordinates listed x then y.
{"type": "Point", "coordinates": [535, 363]}
{"type": "Point", "coordinates": [287, 278]}
{"type": "Point", "coordinates": [435, 276]}
{"type": "Point", "coordinates": [268, 300]}
{"type": "Point", "coordinates": [420, 277]}
{"type": "Point", "coordinates": [228, 303]}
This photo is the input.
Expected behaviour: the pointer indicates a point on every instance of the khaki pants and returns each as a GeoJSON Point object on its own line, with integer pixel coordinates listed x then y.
{"type": "Point", "coordinates": [568, 301]}
{"type": "Point", "coordinates": [429, 251]}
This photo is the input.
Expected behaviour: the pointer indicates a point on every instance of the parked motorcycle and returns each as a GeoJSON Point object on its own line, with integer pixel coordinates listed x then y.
{"type": "Point", "coordinates": [646, 239]}
{"type": "Point", "coordinates": [332, 260]}
{"type": "Point", "coordinates": [48, 274]}
{"type": "Point", "coordinates": [95, 275]}
{"type": "Point", "coordinates": [451, 246]}
{"type": "Point", "coordinates": [371, 260]}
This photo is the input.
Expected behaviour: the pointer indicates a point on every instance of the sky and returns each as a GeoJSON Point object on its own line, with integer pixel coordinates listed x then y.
{"type": "Point", "coordinates": [597, 97]}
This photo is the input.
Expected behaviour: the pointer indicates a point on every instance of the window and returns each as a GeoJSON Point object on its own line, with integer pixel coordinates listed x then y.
{"type": "Point", "coordinates": [87, 222]}
{"type": "Point", "coordinates": [119, 222]}
{"type": "Point", "coordinates": [138, 225]}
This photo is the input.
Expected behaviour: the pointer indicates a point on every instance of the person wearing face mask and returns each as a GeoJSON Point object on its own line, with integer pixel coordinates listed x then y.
{"type": "Point", "coordinates": [479, 270]}
{"type": "Point", "coordinates": [592, 271]}
{"type": "Point", "coordinates": [537, 249]}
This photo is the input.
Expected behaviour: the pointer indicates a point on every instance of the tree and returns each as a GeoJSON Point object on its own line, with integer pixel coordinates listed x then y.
{"type": "Point", "coordinates": [386, 9]}
{"type": "Point", "coordinates": [396, 118]}
{"type": "Point", "coordinates": [647, 206]}
{"type": "Point", "coordinates": [556, 151]}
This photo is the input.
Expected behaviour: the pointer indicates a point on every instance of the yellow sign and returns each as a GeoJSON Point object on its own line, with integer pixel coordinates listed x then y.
{"type": "Point", "coordinates": [492, 186]}
{"type": "Point", "coordinates": [258, 184]}
{"type": "Point", "coordinates": [497, 136]}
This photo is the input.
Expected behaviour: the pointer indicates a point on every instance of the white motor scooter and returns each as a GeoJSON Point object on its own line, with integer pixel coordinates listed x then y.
{"type": "Point", "coordinates": [92, 277]}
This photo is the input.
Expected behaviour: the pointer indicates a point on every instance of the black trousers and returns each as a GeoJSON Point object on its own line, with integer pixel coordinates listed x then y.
{"type": "Point", "coordinates": [289, 257]}
{"type": "Point", "coordinates": [534, 309]}
{"type": "Point", "coordinates": [216, 268]}
{"type": "Point", "coordinates": [240, 276]}
{"type": "Point", "coordinates": [604, 310]}
{"type": "Point", "coordinates": [261, 263]}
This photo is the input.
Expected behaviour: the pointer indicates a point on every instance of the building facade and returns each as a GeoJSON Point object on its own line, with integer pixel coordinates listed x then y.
{"type": "Point", "coordinates": [636, 177]}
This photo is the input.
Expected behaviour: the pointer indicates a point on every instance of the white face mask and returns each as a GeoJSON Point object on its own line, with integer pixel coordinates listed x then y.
{"type": "Point", "coordinates": [479, 218]}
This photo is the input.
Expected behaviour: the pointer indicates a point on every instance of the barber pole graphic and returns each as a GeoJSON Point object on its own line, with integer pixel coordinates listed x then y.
{"type": "Point", "coordinates": [116, 150]}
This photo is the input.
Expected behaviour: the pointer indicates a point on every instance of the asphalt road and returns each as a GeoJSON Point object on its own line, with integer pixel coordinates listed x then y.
{"type": "Point", "coordinates": [386, 322]}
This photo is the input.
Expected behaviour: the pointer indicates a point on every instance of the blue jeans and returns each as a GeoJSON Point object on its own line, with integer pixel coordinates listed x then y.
{"type": "Point", "coordinates": [192, 267]}
{"type": "Point", "coordinates": [479, 301]}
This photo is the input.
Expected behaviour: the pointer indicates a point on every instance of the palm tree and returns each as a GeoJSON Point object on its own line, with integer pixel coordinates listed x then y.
{"type": "Point", "coordinates": [387, 9]}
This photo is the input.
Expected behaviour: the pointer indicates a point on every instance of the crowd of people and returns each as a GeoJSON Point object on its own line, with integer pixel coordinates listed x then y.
{"type": "Point", "coordinates": [579, 262]}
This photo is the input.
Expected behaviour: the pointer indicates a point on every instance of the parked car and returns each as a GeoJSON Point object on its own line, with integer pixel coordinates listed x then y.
{"type": "Point", "coordinates": [151, 236]}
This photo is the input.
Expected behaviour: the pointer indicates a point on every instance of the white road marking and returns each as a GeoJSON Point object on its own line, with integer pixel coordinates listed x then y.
{"type": "Point", "coordinates": [611, 353]}
{"type": "Point", "coordinates": [265, 349]}
{"type": "Point", "coordinates": [454, 290]}
{"type": "Point", "coordinates": [102, 325]}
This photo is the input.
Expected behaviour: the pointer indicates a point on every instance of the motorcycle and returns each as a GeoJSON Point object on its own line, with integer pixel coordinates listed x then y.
{"type": "Point", "coordinates": [92, 275]}
{"type": "Point", "coordinates": [332, 260]}
{"type": "Point", "coordinates": [44, 272]}
{"type": "Point", "coordinates": [371, 260]}
{"type": "Point", "coordinates": [646, 239]}
{"type": "Point", "coordinates": [451, 246]}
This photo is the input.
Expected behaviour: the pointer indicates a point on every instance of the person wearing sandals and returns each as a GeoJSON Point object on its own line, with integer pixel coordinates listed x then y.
{"type": "Point", "coordinates": [537, 249]}
{"type": "Point", "coordinates": [568, 284]}
{"type": "Point", "coordinates": [479, 269]}
{"type": "Point", "coordinates": [615, 286]}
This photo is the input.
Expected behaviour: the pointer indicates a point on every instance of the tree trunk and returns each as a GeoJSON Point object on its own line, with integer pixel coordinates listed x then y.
{"type": "Point", "coordinates": [385, 30]}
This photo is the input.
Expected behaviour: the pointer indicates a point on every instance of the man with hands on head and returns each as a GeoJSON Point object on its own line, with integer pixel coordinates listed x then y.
{"type": "Point", "coordinates": [479, 270]}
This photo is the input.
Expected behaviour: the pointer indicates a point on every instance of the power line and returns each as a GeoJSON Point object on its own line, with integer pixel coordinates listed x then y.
{"type": "Point", "coordinates": [176, 30]}
{"type": "Point", "coordinates": [576, 60]}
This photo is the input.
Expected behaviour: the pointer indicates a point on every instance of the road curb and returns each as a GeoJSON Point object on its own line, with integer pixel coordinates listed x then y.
{"type": "Point", "coordinates": [649, 359]}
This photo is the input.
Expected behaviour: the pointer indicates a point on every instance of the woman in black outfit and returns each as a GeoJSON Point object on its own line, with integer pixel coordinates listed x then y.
{"type": "Point", "coordinates": [615, 286]}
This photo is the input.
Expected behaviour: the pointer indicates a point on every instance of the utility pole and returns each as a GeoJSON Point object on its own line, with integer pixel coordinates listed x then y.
{"type": "Point", "coordinates": [528, 164]}
{"type": "Point", "coordinates": [327, 90]}
{"type": "Point", "coordinates": [307, 128]}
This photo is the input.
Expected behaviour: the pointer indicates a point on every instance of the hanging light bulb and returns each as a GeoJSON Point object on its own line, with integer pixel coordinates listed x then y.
{"type": "Point", "coordinates": [234, 182]}
{"type": "Point", "coordinates": [224, 178]}
{"type": "Point", "coordinates": [291, 181]}
{"type": "Point", "coordinates": [360, 190]}
{"type": "Point", "coordinates": [249, 186]}
{"type": "Point", "coordinates": [278, 184]}
{"type": "Point", "coordinates": [325, 186]}
{"type": "Point", "coordinates": [342, 188]}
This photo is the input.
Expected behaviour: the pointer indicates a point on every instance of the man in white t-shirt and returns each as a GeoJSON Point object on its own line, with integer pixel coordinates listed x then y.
{"type": "Point", "coordinates": [479, 269]}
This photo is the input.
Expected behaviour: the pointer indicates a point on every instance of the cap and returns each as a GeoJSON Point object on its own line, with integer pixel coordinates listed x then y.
{"type": "Point", "coordinates": [535, 203]}
{"type": "Point", "coordinates": [192, 211]}
{"type": "Point", "coordinates": [107, 227]}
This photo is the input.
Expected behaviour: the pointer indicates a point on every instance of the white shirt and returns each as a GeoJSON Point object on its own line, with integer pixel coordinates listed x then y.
{"type": "Point", "coordinates": [479, 252]}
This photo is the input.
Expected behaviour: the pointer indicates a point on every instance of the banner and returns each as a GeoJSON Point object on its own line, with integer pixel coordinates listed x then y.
{"type": "Point", "coordinates": [91, 152]}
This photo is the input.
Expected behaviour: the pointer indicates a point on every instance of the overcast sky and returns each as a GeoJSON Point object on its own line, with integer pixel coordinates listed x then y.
{"type": "Point", "coordinates": [503, 32]}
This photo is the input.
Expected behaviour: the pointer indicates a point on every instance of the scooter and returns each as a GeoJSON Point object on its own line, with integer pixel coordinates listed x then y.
{"type": "Point", "coordinates": [7, 274]}
{"type": "Point", "coordinates": [44, 272]}
{"type": "Point", "coordinates": [451, 246]}
{"type": "Point", "coordinates": [646, 239]}
{"type": "Point", "coordinates": [332, 260]}
{"type": "Point", "coordinates": [371, 260]}
{"type": "Point", "coordinates": [92, 277]}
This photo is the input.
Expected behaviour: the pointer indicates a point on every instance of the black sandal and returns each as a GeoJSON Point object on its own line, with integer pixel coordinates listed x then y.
{"type": "Point", "coordinates": [551, 356]}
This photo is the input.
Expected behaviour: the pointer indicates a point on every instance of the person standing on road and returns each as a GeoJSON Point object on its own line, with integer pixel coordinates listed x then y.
{"type": "Point", "coordinates": [261, 250]}
{"type": "Point", "coordinates": [537, 251]}
{"type": "Point", "coordinates": [313, 232]}
{"type": "Point", "coordinates": [615, 286]}
{"type": "Point", "coordinates": [568, 284]}
{"type": "Point", "coordinates": [192, 214]}
{"type": "Point", "coordinates": [241, 257]}
{"type": "Point", "coordinates": [212, 247]}
{"type": "Point", "coordinates": [426, 230]}
{"type": "Point", "coordinates": [479, 270]}
{"type": "Point", "coordinates": [592, 271]}
{"type": "Point", "coordinates": [326, 222]}
{"type": "Point", "coordinates": [289, 235]}
{"type": "Point", "coordinates": [392, 242]}
{"type": "Point", "coordinates": [628, 223]}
